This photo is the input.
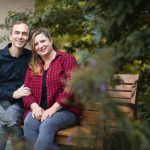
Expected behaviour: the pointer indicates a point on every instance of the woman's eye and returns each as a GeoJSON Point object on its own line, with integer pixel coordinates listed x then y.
{"type": "Point", "coordinates": [35, 44]}
{"type": "Point", "coordinates": [42, 41]}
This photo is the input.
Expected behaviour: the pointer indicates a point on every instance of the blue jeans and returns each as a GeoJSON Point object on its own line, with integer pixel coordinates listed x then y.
{"type": "Point", "coordinates": [41, 135]}
{"type": "Point", "coordinates": [15, 112]}
{"type": "Point", "coordinates": [6, 118]}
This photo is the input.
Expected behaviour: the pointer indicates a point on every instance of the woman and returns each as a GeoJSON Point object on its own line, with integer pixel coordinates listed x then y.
{"type": "Point", "coordinates": [49, 107]}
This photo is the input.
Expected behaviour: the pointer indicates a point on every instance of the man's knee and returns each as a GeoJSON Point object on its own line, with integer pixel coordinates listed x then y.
{"type": "Point", "coordinates": [16, 112]}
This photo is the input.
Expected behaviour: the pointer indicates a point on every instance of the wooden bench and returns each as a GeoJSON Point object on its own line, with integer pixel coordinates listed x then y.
{"type": "Point", "coordinates": [86, 134]}
{"type": "Point", "coordinates": [125, 95]}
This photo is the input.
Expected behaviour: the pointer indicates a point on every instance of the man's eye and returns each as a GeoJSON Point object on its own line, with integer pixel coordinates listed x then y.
{"type": "Point", "coordinates": [16, 32]}
{"type": "Point", "coordinates": [25, 34]}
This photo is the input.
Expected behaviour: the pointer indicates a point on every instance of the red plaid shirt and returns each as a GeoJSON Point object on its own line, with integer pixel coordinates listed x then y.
{"type": "Point", "coordinates": [59, 69]}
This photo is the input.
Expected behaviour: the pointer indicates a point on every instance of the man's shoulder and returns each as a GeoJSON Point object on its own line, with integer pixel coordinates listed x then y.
{"type": "Point", "coordinates": [2, 51]}
{"type": "Point", "coordinates": [27, 51]}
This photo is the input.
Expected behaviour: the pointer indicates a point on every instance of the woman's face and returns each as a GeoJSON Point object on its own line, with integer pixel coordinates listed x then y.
{"type": "Point", "coordinates": [43, 45]}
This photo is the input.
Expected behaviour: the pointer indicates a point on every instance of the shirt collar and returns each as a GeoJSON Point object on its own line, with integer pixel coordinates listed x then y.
{"type": "Point", "coordinates": [58, 53]}
{"type": "Point", "coordinates": [6, 50]}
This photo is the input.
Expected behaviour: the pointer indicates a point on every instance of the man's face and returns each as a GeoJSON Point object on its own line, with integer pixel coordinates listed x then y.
{"type": "Point", "coordinates": [19, 36]}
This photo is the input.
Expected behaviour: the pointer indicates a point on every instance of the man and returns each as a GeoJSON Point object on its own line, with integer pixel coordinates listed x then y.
{"type": "Point", "coordinates": [14, 60]}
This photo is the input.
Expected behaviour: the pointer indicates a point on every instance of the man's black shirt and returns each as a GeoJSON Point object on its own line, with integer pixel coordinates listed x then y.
{"type": "Point", "coordinates": [12, 72]}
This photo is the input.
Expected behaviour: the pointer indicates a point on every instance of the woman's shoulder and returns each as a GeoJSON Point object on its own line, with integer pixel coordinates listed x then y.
{"type": "Point", "coordinates": [65, 54]}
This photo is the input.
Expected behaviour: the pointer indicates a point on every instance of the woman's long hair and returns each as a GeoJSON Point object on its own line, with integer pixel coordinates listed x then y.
{"type": "Point", "coordinates": [36, 60]}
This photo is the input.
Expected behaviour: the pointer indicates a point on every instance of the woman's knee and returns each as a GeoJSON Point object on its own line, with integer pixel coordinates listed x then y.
{"type": "Point", "coordinates": [48, 126]}
{"type": "Point", "coordinates": [27, 120]}
{"type": "Point", "coordinates": [31, 123]}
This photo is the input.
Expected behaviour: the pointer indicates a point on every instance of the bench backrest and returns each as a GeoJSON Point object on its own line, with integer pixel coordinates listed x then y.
{"type": "Point", "coordinates": [124, 92]}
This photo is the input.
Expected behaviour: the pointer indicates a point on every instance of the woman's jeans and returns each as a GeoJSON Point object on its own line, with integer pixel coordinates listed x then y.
{"type": "Point", "coordinates": [41, 135]}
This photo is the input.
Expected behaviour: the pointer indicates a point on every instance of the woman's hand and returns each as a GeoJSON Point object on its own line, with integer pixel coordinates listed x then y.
{"type": "Point", "coordinates": [51, 111]}
{"type": "Point", "coordinates": [48, 113]}
{"type": "Point", "coordinates": [37, 111]}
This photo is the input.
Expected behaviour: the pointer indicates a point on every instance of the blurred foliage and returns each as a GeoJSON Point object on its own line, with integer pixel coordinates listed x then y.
{"type": "Point", "coordinates": [106, 37]}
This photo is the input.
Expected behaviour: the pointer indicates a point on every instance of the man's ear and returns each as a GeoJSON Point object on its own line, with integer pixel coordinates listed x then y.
{"type": "Point", "coordinates": [10, 37]}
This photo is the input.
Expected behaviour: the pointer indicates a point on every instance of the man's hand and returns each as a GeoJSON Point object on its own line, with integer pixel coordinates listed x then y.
{"type": "Point", "coordinates": [20, 92]}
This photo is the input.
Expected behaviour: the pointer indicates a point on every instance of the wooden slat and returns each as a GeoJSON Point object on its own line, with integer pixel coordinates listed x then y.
{"type": "Point", "coordinates": [117, 99]}
{"type": "Point", "coordinates": [78, 131]}
{"type": "Point", "coordinates": [119, 94]}
{"type": "Point", "coordinates": [77, 136]}
{"type": "Point", "coordinates": [93, 106]}
{"type": "Point", "coordinates": [81, 142]}
{"type": "Point", "coordinates": [91, 114]}
{"type": "Point", "coordinates": [127, 78]}
{"type": "Point", "coordinates": [122, 87]}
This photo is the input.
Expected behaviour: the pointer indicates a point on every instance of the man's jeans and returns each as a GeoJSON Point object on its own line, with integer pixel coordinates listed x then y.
{"type": "Point", "coordinates": [41, 136]}
{"type": "Point", "coordinates": [6, 118]}
{"type": "Point", "coordinates": [15, 112]}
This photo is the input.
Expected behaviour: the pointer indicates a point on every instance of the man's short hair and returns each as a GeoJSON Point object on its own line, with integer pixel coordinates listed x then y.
{"type": "Point", "coordinates": [19, 22]}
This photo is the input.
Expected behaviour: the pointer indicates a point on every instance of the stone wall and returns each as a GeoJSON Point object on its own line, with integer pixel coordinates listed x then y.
{"type": "Point", "coordinates": [13, 5]}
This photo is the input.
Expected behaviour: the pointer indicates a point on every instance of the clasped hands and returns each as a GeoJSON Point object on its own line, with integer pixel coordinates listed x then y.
{"type": "Point", "coordinates": [41, 114]}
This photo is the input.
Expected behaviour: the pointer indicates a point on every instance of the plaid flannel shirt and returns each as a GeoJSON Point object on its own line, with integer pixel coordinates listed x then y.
{"type": "Point", "coordinates": [59, 70]}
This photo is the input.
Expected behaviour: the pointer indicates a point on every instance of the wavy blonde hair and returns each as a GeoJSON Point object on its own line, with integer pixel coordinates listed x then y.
{"type": "Point", "coordinates": [36, 60]}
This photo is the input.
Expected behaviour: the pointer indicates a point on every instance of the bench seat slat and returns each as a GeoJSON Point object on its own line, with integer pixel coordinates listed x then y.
{"type": "Point", "coordinates": [74, 132]}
